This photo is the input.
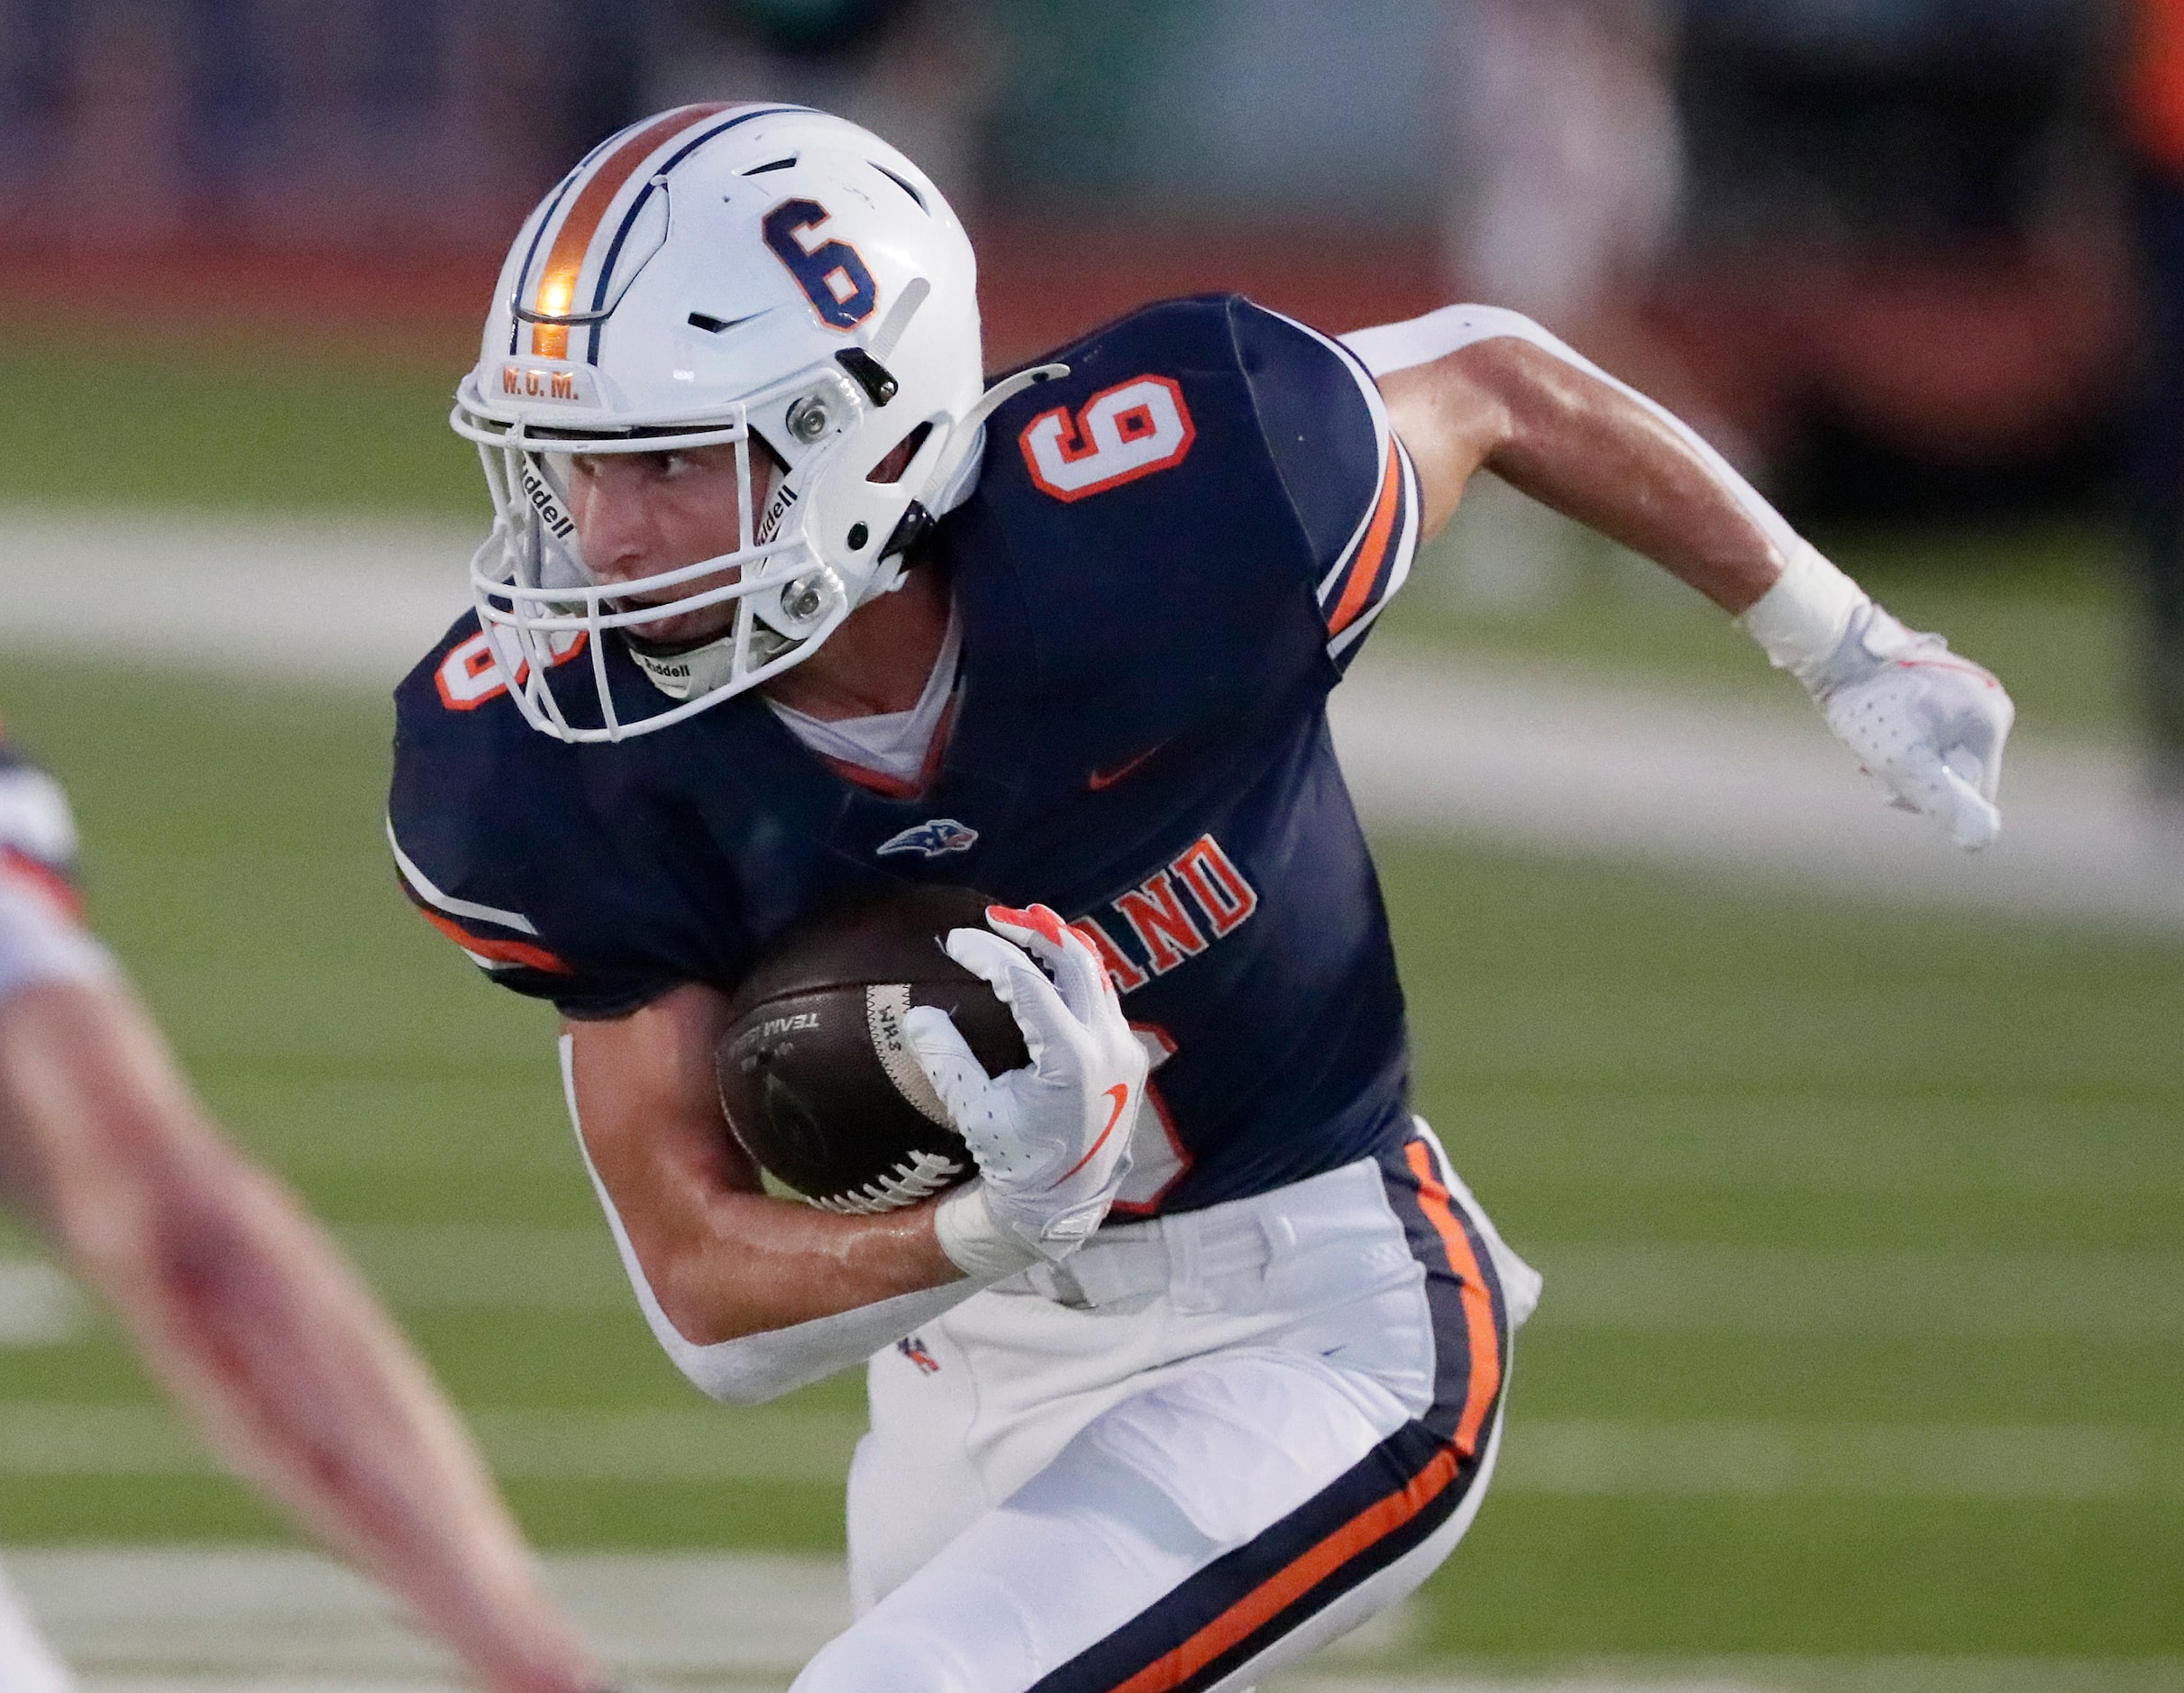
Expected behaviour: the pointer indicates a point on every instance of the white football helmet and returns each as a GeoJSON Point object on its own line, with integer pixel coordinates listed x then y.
{"type": "Point", "coordinates": [721, 274]}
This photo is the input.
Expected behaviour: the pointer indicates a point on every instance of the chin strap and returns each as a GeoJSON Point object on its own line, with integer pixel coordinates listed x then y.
{"type": "Point", "coordinates": [970, 434]}
{"type": "Point", "coordinates": [952, 479]}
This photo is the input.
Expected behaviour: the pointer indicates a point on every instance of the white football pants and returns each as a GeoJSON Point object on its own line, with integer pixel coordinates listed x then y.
{"type": "Point", "coordinates": [1199, 1450]}
{"type": "Point", "coordinates": [27, 1665]}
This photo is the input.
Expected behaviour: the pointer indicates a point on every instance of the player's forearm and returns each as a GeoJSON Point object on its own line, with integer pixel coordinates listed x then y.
{"type": "Point", "coordinates": [267, 1339]}
{"type": "Point", "coordinates": [1593, 452]}
{"type": "Point", "coordinates": [1472, 388]}
{"type": "Point", "coordinates": [757, 1264]}
{"type": "Point", "coordinates": [717, 1259]}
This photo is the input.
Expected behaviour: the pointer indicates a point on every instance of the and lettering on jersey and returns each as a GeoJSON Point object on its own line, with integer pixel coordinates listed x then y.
{"type": "Point", "coordinates": [1169, 557]}
{"type": "Point", "coordinates": [1170, 931]}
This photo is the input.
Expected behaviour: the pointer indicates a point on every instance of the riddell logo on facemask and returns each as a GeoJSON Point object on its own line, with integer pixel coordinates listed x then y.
{"type": "Point", "coordinates": [527, 383]}
{"type": "Point", "coordinates": [777, 508]}
{"type": "Point", "coordinates": [539, 494]}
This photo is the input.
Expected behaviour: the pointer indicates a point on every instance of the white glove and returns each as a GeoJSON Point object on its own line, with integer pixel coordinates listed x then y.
{"type": "Point", "coordinates": [1052, 1139]}
{"type": "Point", "coordinates": [1927, 724]}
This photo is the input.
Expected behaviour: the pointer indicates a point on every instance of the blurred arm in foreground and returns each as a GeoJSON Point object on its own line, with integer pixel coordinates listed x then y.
{"type": "Point", "coordinates": [1473, 388]}
{"type": "Point", "coordinates": [244, 1308]}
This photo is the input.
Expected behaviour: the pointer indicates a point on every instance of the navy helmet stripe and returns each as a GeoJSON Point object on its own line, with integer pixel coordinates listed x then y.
{"type": "Point", "coordinates": [629, 218]}
{"type": "Point", "coordinates": [522, 283]}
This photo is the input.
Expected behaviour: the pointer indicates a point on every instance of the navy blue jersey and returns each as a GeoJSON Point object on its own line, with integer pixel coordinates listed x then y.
{"type": "Point", "coordinates": [1170, 554]}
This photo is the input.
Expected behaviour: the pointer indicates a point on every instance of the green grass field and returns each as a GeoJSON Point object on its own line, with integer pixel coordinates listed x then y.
{"type": "Point", "coordinates": [1865, 1324]}
{"type": "Point", "coordinates": [1789, 1167]}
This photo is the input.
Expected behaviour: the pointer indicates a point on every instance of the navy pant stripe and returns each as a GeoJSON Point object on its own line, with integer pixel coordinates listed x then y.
{"type": "Point", "coordinates": [1243, 1602]}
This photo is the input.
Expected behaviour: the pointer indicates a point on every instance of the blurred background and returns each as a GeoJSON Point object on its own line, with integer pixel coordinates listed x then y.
{"type": "Point", "coordinates": [1854, 1169]}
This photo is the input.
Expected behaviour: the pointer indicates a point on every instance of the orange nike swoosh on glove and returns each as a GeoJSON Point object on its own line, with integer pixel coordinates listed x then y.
{"type": "Point", "coordinates": [1120, 1095]}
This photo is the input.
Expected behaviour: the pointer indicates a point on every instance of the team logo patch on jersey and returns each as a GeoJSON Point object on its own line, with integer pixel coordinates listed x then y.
{"type": "Point", "coordinates": [1120, 434]}
{"type": "Point", "coordinates": [933, 839]}
{"type": "Point", "coordinates": [913, 1347]}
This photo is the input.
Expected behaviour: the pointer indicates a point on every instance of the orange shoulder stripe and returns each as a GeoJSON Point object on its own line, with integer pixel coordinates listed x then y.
{"type": "Point", "coordinates": [1366, 570]}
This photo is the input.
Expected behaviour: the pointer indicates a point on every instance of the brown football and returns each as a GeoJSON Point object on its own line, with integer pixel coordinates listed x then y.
{"type": "Point", "coordinates": [817, 1079]}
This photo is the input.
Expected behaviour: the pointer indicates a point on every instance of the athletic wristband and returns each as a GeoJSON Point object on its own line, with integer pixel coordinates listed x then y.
{"type": "Point", "coordinates": [975, 1243]}
{"type": "Point", "coordinates": [1801, 619]}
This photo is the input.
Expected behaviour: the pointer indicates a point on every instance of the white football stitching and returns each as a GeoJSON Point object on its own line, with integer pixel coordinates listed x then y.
{"type": "Point", "coordinates": [919, 1177]}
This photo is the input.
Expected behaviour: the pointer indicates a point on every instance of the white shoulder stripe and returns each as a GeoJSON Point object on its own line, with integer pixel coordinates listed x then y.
{"type": "Point", "coordinates": [423, 886]}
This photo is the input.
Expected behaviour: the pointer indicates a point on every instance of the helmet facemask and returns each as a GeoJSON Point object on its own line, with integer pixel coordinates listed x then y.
{"type": "Point", "coordinates": [543, 606]}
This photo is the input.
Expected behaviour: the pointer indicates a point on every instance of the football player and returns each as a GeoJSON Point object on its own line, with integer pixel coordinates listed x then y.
{"type": "Point", "coordinates": [783, 605]}
{"type": "Point", "coordinates": [243, 1309]}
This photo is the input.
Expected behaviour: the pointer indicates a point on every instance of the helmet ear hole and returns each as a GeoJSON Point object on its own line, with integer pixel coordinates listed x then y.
{"type": "Point", "coordinates": [889, 470]}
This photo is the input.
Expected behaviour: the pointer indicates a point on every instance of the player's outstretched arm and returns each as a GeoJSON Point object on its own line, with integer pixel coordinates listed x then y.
{"type": "Point", "coordinates": [1475, 387]}
{"type": "Point", "coordinates": [256, 1323]}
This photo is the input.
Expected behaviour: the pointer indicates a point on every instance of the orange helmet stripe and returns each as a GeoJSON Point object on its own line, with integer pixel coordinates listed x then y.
{"type": "Point", "coordinates": [565, 261]}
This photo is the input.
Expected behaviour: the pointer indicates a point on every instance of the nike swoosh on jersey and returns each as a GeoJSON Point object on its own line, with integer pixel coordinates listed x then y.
{"type": "Point", "coordinates": [1107, 778]}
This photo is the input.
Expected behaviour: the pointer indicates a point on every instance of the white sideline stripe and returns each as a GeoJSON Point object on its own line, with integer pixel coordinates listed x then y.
{"type": "Point", "coordinates": [1770, 1290]}
{"type": "Point", "coordinates": [352, 600]}
{"type": "Point", "coordinates": [1555, 762]}
{"type": "Point", "coordinates": [1638, 1289]}
{"type": "Point", "coordinates": [704, 1445]}
{"type": "Point", "coordinates": [208, 1613]}
{"type": "Point", "coordinates": [1570, 1458]}
{"type": "Point", "coordinates": [1726, 1288]}
{"type": "Point", "coordinates": [185, 1617]}
{"type": "Point", "coordinates": [39, 1305]}
{"type": "Point", "coordinates": [1750, 1460]}
{"type": "Point", "coordinates": [1491, 751]}
{"type": "Point", "coordinates": [177, 1619]}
